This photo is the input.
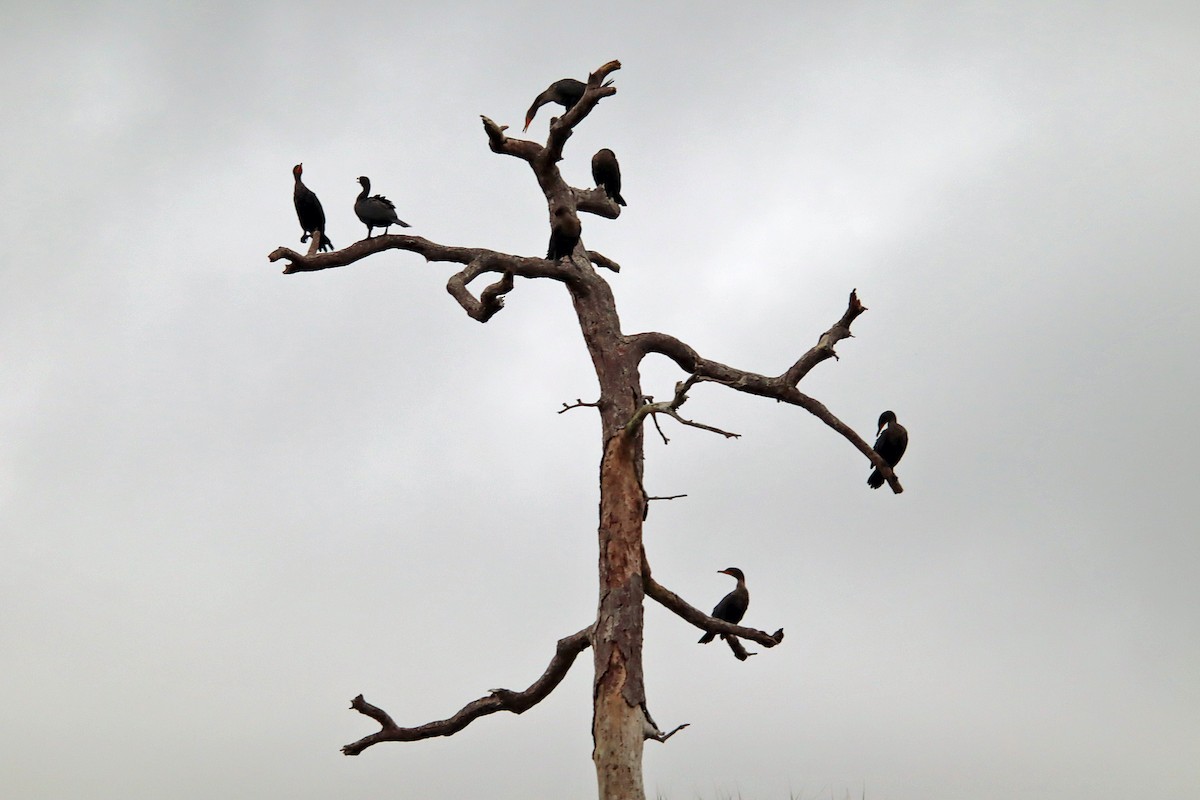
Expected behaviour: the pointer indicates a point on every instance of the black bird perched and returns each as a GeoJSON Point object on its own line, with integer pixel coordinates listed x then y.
{"type": "Point", "coordinates": [377, 211]}
{"type": "Point", "coordinates": [309, 211]}
{"type": "Point", "coordinates": [606, 172]}
{"type": "Point", "coordinates": [566, 92]}
{"type": "Point", "coordinates": [891, 444]}
{"type": "Point", "coordinates": [564, 234]}
{"type": "Point", "coordinates": [733, 605]}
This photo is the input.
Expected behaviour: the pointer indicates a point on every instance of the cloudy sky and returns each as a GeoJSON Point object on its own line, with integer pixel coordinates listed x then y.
{"type": "Point", "coordinates": [231, 500]}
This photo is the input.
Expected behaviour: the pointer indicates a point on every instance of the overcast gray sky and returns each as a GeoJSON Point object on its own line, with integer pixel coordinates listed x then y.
{"type": "Point", "coordinates": [231, 500]}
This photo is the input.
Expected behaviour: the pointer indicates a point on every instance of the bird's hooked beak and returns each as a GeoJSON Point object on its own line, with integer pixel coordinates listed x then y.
{"type": "Point", "coordinates": [527, 121]}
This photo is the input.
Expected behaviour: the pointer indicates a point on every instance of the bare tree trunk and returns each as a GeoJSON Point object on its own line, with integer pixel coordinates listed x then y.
{"type": "Point", "coordinates": [620, 720]}
{"type": "Point", "coordinates": [618, 691]}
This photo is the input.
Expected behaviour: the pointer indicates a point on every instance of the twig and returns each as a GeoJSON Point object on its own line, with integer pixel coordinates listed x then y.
{"type": "Point", "coordinates": [675, 416]}
{"type": "Point", "coordinates": [650, 729]}
{"type": "Point", "coordinates": [577, 404]}
{"type": "Point", "coordinates": [662, 737]}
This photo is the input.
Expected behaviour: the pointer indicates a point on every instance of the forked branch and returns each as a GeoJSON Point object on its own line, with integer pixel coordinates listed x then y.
{"type": "Point", "coordinates": [781, 387]}
{"type": "Point", "coordinates": [498, 700]}
{"type": "Point", "coordinates": [597, 89]}
{"type": "Point", "coordinates": [823, 349]}
{"type": "Point", "coordinates": [671, 409]}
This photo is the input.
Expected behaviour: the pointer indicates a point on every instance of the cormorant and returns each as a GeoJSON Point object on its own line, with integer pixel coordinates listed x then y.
{"type": "Point", "coordinates": [607, 173]}
{"type": "Point", "coordinates": [309, 211]}
{"type": "Point", "coordinates": [566, 92]}
{"type": "Point", "coordinates": [733, 605]}
{"type": "Point", "coordinates": [564, 234]}
{"type": "Point", "coordinates": [892, 441]}
{"type": "Point", "coordinates": [377, 211]}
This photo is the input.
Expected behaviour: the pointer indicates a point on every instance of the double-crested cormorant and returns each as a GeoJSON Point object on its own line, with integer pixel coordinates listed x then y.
{"type": "Point", "coordinates": [733, 605]}
{"type": "Point", "coordinates": [377, 211]}
{"type": "Point", "coordinates": [892, 441]}
{"type": "Point", "coordinates": [309, 211]}
{"type": "Point", "coordinates": [564, 234]}
{"type": "Point", "coordinates": [566, 92]}
{"type": "Point", "coordinates": [607, 173]}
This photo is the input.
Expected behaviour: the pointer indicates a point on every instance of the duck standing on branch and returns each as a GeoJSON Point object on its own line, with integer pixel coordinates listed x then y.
{"type": "Point", "coordinates": [377, 211]}
{"type": "Point", "coordinates": [891, 444]}
{"type": "Point", "coordinates": [733, 605]}
{"type": "Point", "coordinates": [566, 92]}
{"type": "Point", "coordinates": [309, 211]}
{"type": "Point", "coordinates": [606, 172]}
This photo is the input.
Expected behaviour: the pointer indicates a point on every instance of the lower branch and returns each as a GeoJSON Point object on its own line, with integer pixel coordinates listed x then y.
{"type": "Point", "coordinates": [498, 700]}
{"type": "Point", "coordinates": [651, 730]}
{"type": "Point", "coordinates": [704, 622]}
{"type": "Point", "coordinates": [662, 737]}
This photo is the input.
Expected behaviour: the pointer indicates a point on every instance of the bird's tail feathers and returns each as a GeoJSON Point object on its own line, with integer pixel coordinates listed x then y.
{"type": "Point", "coordinates": [876, 480]}
{"type": "Point", "coordinates": [706, 638]}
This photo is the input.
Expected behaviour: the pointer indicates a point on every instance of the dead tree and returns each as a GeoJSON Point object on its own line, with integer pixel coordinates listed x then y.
{"type": "Point", "coordinates": [620, 720]}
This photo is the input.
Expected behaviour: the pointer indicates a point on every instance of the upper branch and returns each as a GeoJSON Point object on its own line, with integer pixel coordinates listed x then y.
{"type": "Point", "coordinates": [561, 129]}
{"type": "Point", "coordinates": [500, 143]}
{"type": "Point", "coordinates": [823, 349]}
{"type": "Point", "coordinates": [495, 261]}
{"type": "Point", "coordinates": [498, 700]}
{"type": "Point", "coordinates": [478, 260]}
{"type": "Point", "coordinates": [781, 387]}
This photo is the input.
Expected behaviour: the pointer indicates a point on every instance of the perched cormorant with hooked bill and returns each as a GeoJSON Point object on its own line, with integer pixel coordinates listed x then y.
{"type": "Point", "coordinates": [891, 444]}
{"type": "Point", "coordinates": [606, 172]}
{"type": "Point", "coordinates": [565, 230]}
{"type": "Point", "coordinates": [733, 605]}
{"type": "Point", "coordinates": [377, 211]}
{"type": "Point", "coordinates": [566, 92]}
{"type": "Point", "coordinates": [309, 211]}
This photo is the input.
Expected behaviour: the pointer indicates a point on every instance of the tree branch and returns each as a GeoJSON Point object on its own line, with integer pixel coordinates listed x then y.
{"type": "Point", "coordinates": [781, 388]}
{"type": "Point", "coordinates": [578, 404]}
{"type": "Point", "coordinates": [498, 700]}
{"type": "Point", "coordinates": [491, 260]}
{"type": "Point", "coordinates": [823, 349]}
{"type": "Point", "coordinates": [596, 201]}
{"type": "Point", "coordinates": [704, 622]}
{"type": "Point", "coordinates": [671, 409]}
{"type": "Point", "coordinates": [562, 127]}
{"type": "Point", "coordinates": [601, 260]}
{"type": "Point", "coordinates": [651, 730]}
{"type": "Point", "coordinates": [502, 144]}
